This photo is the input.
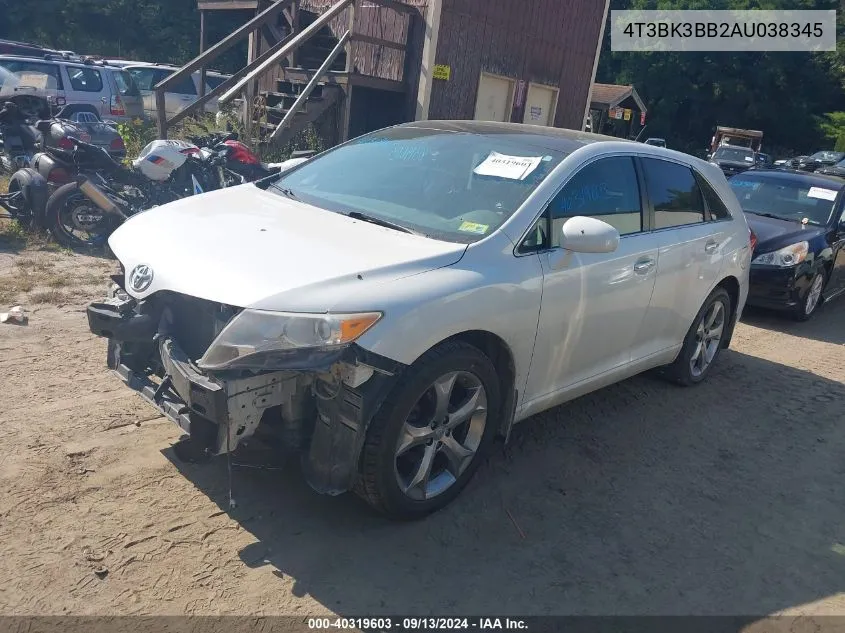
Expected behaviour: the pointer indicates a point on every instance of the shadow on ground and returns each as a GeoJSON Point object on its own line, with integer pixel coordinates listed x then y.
{"type": "Point", "coordinates": [826, 325]}
{"type": "Point", "coordinates": [642, 498]}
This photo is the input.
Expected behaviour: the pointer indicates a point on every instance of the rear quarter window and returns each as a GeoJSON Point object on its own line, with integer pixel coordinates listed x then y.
{"type": "Point", "coordinates": [125, 84]}
{"type": "Point", "coordinates": [85, 79]}
{"type": "Point", "coordinates": [717, 208]}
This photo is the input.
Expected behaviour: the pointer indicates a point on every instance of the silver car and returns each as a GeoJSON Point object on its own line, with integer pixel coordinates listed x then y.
{"type": "Point", "coordinates": [62, 81]}
{"type": "Point", "coordinates": [392, 305]}
{"type": "Point", "coordinates": [180, 95]}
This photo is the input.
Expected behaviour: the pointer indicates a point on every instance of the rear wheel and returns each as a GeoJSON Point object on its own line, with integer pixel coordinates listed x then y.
{"type": "Point", "coordinates": [703, 341]}
{"type": "Point", "coordinates": [429, 436]}
{"type": "Point", "coordinates": [75, 221]}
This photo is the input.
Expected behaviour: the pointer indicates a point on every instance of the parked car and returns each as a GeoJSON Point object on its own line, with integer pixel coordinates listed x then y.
{"type": "Point", "coordinates": [733, 159]}
{"type": "Point", "coordinates": [799, 259]}
{"type": "Point", "coordinates": [61, 81]}
{"type": "Point", "coordinates": [817, 160]}
{"type": "Point", "coordinates": [833, 170]}
{"type": "Point", "coordinates": [764, 161]}
{"type": "Point", "coordinates": [657, 142]}
{"type": "Point", "coordinates": [184, 93]}
{"type": "Point", "coordinates": [391, 305]}
{"type": "Point", "coordinates": [11, 47]}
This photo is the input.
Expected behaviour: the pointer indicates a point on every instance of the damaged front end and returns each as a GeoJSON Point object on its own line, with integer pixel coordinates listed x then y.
{"type": "Point", "coordinates": [167, 347]}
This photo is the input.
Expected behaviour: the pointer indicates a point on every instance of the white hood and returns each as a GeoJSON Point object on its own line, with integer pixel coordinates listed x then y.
{"type": "Point", "coordinates": [242, 245]}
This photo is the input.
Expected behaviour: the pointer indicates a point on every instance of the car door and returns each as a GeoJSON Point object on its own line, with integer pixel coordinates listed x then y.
{"type": "Point", "coordinates": [87, 85]}
{"type": "Point", "coordinates": [183, 93]}
{"type": "Point", "coordinates": [593, 305]}
{"type": "Point", "coordinates": [690, 247]}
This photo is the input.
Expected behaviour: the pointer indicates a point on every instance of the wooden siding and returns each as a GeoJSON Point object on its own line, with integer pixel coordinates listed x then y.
{"type": "Point", "coordinates": [550, 42]}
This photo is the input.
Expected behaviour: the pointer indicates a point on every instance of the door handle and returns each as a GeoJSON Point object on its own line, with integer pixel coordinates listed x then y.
{"type": "Point", "coordinates": [711, 246]}
{"type": "Point", "coordinates": [643, 266]}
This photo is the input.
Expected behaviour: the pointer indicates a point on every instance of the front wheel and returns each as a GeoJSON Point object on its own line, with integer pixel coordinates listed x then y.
{"type": "Point", "coordinates": [812, 300]}
{"type": "Point", "coordinates": [75, 221]}
{"type": "Point", "coordinates": [703, 341]}
{"type": "Point", "coordinates": [429, 436]}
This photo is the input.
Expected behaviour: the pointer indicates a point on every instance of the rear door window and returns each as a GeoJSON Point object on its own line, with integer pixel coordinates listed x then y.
{"type": "Point", "coordinates": [85, 79]}
{"type": "Point", "coordinates": [674, 192]}
{"type": "Point", "coordinates": [145, 78]}
{"type": "Point", "coordinates": [213, 82]}
{"type": "Point", "coordinates": [184, 86]}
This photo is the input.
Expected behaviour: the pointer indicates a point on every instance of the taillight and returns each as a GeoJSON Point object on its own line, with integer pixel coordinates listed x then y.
{"type": "Point", "coordinates": [117, 144]}
{"type": "Point", "coordinates": [65, 143]}
{"type": "Point", "coordinates": [116, 106]}
{"type": "Point", "coordinates": [753, 240]}
{"type": "Point", "coordinates": [59, 176]}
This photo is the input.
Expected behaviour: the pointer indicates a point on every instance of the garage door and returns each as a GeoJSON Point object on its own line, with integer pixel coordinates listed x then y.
{"type": "Point", "coordinates": [495, 98]}
{"type": "Point", "coordinates": [540, 105]}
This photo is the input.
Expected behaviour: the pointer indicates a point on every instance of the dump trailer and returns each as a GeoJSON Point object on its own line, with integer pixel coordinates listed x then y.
{"type": "Point", "coordinates": [736, 136]}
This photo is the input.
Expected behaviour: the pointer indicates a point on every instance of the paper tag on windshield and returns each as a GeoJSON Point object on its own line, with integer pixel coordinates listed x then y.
{"type": "Point", "coordinates": [823, 194]}
{"type": "Point", "coordinates": [510, 167]}
{"type": "Point", "coordinates": [749, 159]}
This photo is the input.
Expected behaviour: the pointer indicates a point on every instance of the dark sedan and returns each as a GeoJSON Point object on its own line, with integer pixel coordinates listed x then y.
{"type": "Point", "coordinates": [799, 257]}
{"type": "Point", "coordinates": [818, 160]}
{"type": "Point", "coordinates": [833, 170]}
{"type": "Point", "coordinates": [733, 159]}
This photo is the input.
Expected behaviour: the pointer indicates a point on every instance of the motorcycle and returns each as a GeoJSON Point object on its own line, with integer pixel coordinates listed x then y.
{"type": "Point", "coordinates": [19, 140]}
{"type": "Point", "coordinates": [84, 212]}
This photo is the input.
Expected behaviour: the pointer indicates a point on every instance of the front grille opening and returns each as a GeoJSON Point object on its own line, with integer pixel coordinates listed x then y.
{"type": "Point", "coordinates": [196, 322]}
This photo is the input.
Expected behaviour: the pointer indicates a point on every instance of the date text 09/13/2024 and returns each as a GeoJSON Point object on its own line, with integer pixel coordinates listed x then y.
{"type": "Point", "coordinates": [416, 624]}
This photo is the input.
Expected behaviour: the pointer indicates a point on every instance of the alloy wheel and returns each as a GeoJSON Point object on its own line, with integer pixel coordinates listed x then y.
{"type": "Point", "coordinates": [441, 436]}
{"type": "Point", "coordinates": [813, 295]}
{"type": "Point", "coordinates": [708, 337]}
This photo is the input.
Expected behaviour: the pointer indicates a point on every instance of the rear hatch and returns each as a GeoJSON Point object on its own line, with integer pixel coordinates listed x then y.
{"type": "Point", "coordinates": [130, 95]}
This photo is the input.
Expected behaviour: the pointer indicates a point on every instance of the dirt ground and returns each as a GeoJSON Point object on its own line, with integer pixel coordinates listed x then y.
{"type": "Point", "coordinates": [643, 498]}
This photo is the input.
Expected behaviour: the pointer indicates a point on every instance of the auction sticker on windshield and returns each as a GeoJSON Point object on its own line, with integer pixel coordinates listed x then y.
{"type": "Point", "coordinates": [823, 194]}
{"type": "Point", "coordinates": [510, 167]}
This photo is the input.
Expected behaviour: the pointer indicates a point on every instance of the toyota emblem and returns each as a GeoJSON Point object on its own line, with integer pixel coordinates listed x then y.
{"type": "Point", "coordinates": [140, 278]}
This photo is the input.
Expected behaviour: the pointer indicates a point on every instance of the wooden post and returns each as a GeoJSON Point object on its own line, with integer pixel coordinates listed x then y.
{"type": "Point", "coordinates": [161, 114]}
{"type": "Point", "coordinates": [202, 50]}
{"type": "Point", "coordinates": [346, 112]}
{"type": "Point", "coordinates": [294, 28]}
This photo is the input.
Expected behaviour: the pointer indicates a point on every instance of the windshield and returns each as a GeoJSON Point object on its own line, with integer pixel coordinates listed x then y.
{"type": "Point", "coordinates": [738, 154]}
{"type": "Point", "coordinates": [785, 199]}
{"type": "Point", "coordinates": [832, 156]}
{"type": "Point", "coordinates": [125, 84]}
{"type": "Point", "coordinates": [457, 187]}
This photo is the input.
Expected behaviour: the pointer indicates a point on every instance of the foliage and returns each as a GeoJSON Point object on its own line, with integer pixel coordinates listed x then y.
{"type": "Point", "coordinates": [136, 134]}
{"type": "Point", "coordinates": [689, 94]}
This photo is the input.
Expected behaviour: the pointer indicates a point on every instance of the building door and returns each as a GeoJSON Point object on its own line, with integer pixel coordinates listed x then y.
{"type": "Point", "coordinates": [540, 105]}
{"type": "Point", "coordinates": [495, 99]}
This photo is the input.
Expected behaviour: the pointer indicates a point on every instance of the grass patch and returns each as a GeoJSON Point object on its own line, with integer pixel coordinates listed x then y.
{"type": "Point", "coordinates": [52, 296]}
{"type": "Point", "coordinates": [12, 287]}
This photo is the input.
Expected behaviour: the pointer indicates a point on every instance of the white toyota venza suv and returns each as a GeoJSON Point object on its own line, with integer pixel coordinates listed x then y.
{"type": "Point", "coordinates": [391, 306]}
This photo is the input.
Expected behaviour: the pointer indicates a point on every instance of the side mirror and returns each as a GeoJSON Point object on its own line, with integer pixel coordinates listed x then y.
{"type": "Point", "coordinates": [588, 235]}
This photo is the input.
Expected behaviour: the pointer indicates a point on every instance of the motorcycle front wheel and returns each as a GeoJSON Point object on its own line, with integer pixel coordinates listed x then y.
{"type": "Point", "coordinates": [75, 221]}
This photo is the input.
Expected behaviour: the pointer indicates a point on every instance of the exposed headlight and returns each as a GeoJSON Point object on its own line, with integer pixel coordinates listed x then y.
{"type": "Point", "coordinates": [258, 332]}
{"type": "Point", "coordinates": [787, 256]}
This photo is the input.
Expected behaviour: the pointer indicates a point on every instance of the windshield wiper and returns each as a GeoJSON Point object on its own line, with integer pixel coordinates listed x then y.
{"type": "Point", "coordinates": [287, 193]}
{"type": "Point", "coordinates": [357, 215]}
{"type": "Point", "coordinates": [768, 215]}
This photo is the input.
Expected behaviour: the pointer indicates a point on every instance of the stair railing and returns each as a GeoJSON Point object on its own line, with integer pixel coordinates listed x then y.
{"type": "Point", "coordinates": [309, 88]}
{"type": "Point", "coordinates": [203, 59]}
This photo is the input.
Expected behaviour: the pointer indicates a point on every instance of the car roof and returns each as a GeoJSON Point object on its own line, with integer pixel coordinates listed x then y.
{"type": "Point", "coordinates": [554, 138]}
{"type": "Point", "coordinates": [215, 73]}
{"type": "Point", "coordinates": [61, 60]}
{"type": "Point", "coordinates": [807, 179]}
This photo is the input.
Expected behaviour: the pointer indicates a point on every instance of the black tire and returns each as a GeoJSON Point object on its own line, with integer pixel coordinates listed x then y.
{"type": "Point", "coordinates": [34, 188]}
{"type": "Point", "coordinates": [804, 311]}
{"type": "Point", "coordinates": [681, 371]}
{"type": "Point", "coordinates": [378, 484]}
{"type": "Point", "coordinates": [63, 196]}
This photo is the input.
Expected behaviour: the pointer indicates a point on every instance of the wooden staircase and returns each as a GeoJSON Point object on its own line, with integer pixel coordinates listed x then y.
{"type": "Point", "coordinates": [312, 67]}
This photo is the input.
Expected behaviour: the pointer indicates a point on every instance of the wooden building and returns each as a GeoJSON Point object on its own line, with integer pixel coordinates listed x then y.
{"type": "Point", "coordinates": [530, 61]}
{"type": "Point", "coordinates": [616, 111]}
